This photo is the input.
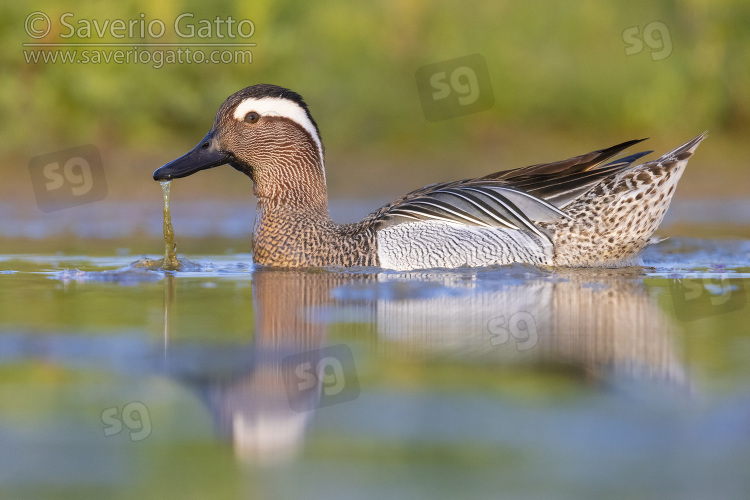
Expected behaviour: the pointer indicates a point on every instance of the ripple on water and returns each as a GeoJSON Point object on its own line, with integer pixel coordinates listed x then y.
{"type": "Point", "coordinates": [148, 270]}
{"type": "Point", "coordinates": [168, 264]}
{"type": "Point", "coordinates": [674, 258]}
{"type": "Point", "coordinates": [683, 257]}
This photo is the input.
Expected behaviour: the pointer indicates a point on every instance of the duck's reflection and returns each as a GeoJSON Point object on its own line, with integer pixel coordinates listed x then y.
{"type": "Point", "coordinates": [598, 322]}
{"type": "Point", "coordinates": [601, 321]}
{"type": "Point", "coordinates": [263, 398]}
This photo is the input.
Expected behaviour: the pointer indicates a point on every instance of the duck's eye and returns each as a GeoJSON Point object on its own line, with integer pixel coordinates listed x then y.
{"type": "Point", "coordinates": [252, 117]}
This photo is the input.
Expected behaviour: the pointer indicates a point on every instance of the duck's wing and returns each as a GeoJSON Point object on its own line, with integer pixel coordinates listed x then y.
{"type": "Point", "coordinates": [511, 199]}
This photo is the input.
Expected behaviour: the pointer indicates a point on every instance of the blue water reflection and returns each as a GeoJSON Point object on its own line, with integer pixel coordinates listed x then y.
{"type": "Point", "coordinates": [541, 382]}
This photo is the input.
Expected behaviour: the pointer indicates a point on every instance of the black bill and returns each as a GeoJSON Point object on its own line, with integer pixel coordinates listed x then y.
{"type": "Point", "coordinates": [204, 155]}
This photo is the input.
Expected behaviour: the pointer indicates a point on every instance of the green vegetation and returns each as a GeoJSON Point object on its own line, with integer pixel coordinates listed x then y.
{"type": "Point", "coordinates": [559, 72]}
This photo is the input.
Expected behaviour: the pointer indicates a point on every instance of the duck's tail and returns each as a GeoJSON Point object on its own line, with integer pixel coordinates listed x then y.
{"type": "Point", "coordinates": [615, 220]}
{"type": "Point", "coordinates": [683, 152]}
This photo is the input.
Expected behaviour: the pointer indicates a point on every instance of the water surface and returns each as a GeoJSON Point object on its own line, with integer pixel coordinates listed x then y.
{"type": "Point", "coordinates": [231, 381]}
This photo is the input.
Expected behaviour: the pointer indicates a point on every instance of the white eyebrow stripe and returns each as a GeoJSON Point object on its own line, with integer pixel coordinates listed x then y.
{"type": "Point", "coordinates": [273, 106]}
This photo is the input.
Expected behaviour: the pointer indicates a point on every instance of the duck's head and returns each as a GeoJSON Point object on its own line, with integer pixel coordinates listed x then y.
{"type": "Point", "coordinates": [266, 132]}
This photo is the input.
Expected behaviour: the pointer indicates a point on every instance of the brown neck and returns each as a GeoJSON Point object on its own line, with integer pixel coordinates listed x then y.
{"type": "Point", "coordinates": [292, 225]}
{"type": "Point", "coordinates": [292, 181]}
{"type": "Point", "coordinates": [292, 212]}
{"type": "Point", "coordinates": [288, 235]}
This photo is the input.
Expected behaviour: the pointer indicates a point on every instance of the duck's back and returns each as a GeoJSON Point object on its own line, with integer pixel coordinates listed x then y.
{"type": "Point", "coordinates": [576, 212]}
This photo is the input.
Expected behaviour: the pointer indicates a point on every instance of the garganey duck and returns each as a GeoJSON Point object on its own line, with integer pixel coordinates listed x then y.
{"type": "Point", "coordinates": [577, 212]}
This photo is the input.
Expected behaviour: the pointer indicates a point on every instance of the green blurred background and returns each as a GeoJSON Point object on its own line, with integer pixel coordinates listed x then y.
{"type": "Point", "coordinates": [562, 81]}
